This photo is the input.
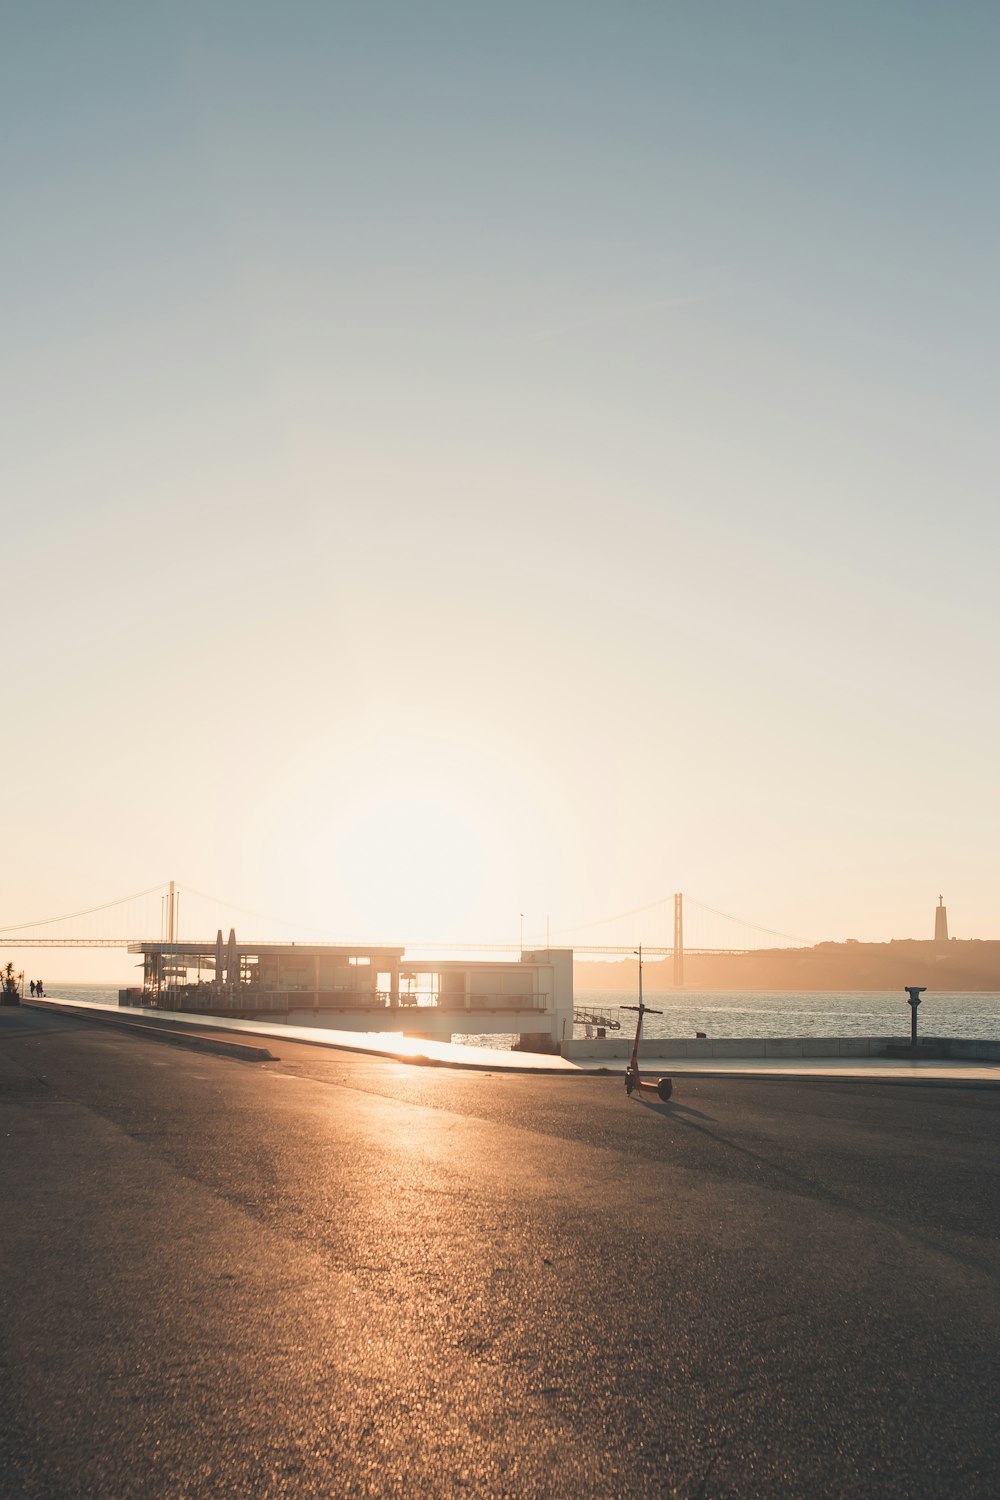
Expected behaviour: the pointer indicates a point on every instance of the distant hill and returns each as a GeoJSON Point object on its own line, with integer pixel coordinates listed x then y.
{"type": "Point", "coordinates": [959, 965]}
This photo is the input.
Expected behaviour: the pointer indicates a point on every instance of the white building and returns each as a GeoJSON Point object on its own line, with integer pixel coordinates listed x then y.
{"type": "Point", "coordinates": [362, 988]}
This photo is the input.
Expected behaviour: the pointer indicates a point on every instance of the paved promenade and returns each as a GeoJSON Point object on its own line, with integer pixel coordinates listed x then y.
{"type": "Point", "coordinates": [338, 1274]}
{"type": "Point", "coordinates": [455, 1054]}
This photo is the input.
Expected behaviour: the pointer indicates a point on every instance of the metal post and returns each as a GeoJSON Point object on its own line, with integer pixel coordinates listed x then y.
{"type": "Point", "coordinates": [914, 991]}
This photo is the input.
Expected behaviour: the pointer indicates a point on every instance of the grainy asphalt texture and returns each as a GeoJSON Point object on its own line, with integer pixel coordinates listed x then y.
{"type": "Point", "coordinates": [333, 1275]}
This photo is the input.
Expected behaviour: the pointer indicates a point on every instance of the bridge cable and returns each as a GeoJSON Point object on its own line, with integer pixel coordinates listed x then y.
{"type": "Point", "coordinates": [232, 906]}
{"type": "Point", "coordinates": [742, 922]}
{"type": "Point", "coordinates": [601, 921]}
{"type": "Point", "coordinates": [85, 911]}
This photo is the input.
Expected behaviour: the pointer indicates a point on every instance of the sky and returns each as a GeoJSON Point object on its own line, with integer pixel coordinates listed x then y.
{"type": "Point", "coordinates": [463, 461]}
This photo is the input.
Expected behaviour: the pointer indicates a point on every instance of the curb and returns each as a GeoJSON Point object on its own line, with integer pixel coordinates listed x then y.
{"type": "Point", "coordinates": [815, 1080]}
{"type": "Point", "coordinates": [240, 1050]}
{"type": "Point", "coordinates": [167, 1029]}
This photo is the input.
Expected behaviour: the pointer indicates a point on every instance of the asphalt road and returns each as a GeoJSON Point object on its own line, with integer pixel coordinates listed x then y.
{"type": "Point", "coordinates": [334, 1275]}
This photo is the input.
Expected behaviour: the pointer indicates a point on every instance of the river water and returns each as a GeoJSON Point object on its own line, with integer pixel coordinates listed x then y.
{"type": "Point", "coordinates": [753, 1013]}
{"type": "Point", "coordinates": [784, 1013]}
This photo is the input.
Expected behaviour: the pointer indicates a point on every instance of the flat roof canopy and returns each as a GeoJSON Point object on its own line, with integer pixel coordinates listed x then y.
{"type": "Point", "coordinates": [300, 950]}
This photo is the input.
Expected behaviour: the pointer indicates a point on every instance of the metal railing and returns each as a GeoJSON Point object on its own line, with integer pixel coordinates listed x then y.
{"type": "Point", "coordinates": [252, 997]}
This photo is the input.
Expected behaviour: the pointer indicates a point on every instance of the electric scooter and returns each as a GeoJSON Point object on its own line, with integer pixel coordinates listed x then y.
{"type": "Point", "coordinates": [663, 1087]}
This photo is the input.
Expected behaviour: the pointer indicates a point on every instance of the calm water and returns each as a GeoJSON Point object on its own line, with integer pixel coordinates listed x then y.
{"type": "Point", "coordinates": [755, 1013]}
{"type": "Point", "coordinates": [760, 1013]}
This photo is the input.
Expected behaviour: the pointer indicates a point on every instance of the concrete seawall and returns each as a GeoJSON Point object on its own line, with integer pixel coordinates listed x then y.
{"type": "Point", "coordinates": [669, 1048]}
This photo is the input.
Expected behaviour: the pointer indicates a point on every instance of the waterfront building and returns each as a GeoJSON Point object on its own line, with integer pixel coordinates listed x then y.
{"type": "Point", "coordinates": [355, 987]}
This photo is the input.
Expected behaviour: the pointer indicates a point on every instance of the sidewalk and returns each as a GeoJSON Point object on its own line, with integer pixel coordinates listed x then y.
{"type": "Point", "coordinates": [485, 1059]}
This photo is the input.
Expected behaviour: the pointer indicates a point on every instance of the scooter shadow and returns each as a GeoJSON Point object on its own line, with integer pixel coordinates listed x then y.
{"type": "Point", "coordinates": [670, 1107]}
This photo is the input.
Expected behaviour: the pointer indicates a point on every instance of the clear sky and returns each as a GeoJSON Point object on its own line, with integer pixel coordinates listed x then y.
{"type": "Point", "coordinates": [471, 459]}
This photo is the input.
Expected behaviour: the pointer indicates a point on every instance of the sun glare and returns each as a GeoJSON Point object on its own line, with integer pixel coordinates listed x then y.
{"type": "Point", "coordinates": [421, 857]}
{"type": "Point", "coordinates": [409, 842]}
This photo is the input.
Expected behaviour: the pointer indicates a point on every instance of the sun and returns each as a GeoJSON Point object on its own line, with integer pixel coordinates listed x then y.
{"type": "Point", "coordinates": [419, 863]}
{"type": "Point", "coordinates": [405, 838]}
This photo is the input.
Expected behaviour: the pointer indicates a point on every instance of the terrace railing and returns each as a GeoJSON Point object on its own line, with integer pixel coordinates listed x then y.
{"type": "Point", "coordinates": [209, 998]}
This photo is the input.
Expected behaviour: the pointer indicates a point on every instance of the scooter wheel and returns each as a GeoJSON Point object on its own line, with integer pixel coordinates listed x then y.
{"type": "Point", "coordinates": [664, 1087]}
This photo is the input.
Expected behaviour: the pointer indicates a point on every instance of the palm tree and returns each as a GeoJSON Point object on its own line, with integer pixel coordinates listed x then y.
{"type": "Point", "coordinates": [10, 984]}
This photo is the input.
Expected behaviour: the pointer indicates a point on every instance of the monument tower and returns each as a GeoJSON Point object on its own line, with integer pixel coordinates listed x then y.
{"type": "Point", "coordinates": [941, 924]}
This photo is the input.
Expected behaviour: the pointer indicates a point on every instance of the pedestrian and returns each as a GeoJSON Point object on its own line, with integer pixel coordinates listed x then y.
{"type": "Point", "coordinates": [38, 987]}
{"type": "Point", "coordinates": [32, 989]}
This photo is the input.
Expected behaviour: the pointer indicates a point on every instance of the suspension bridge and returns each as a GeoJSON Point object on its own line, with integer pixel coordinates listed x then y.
{"type": "Point", "coordinates": [159, 912]}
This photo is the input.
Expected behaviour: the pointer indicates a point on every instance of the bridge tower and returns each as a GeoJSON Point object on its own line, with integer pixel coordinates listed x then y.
{"type": "Point", "coordinates": [678, 941]}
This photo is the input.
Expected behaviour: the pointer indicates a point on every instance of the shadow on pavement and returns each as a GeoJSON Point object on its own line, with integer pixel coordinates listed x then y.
{"type": "Point", "coordinates": [671, 1107]}
{"type": "Point", "coordinates": [809, 1187]}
